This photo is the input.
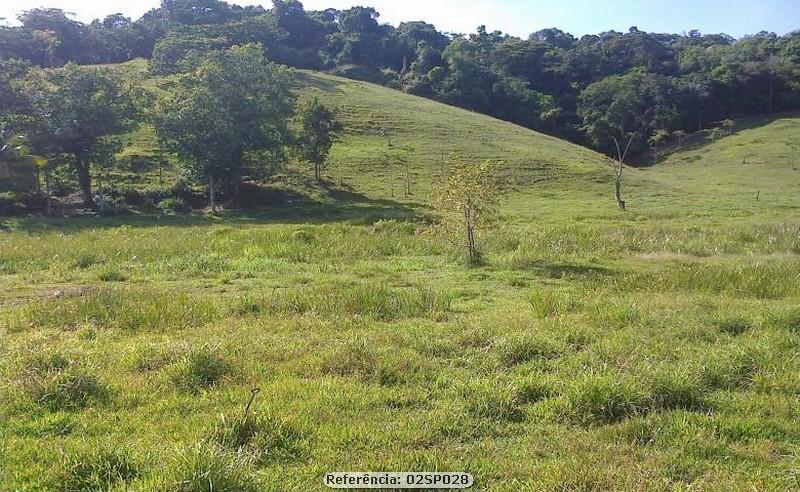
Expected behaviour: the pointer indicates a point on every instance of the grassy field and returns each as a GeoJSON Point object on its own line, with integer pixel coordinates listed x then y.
{"type": "Point", "coordinates": [594, 350]}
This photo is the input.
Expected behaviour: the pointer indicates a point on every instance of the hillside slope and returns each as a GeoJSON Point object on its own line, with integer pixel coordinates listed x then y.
{"type": "Point", "coordinates": [383, 123]}
{"type": "Point", "coordinates": [754, 170]}
{"type": "Point", "coordinates": [385, 127]}
{"type": "Point", "coordinates": [554, 179]}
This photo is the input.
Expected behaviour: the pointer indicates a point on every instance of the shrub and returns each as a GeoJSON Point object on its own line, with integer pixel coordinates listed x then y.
{"type": "Point", "coordinates": [174, 206]}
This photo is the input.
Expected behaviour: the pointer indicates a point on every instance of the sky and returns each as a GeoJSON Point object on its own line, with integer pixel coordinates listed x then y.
{"type": "Point", "coordinates": [516, 17]}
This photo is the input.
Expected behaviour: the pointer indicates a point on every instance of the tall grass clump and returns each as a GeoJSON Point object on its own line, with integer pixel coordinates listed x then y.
{"type": "Point", "coordinates": [351, 359]}
{"type": "Point", "coordinates": [761, 280]}
{"type": "Point", "coordinates": [521, 349]}
{"type": "Point", "coordinates": [97, 470]}
{"type": "Point", "coordinates": [491, 402]}
{"type": "Point", "coordinates": [117, 308]}
{"type": "Point", "coordinates": [267, 438]}
{"type": "Point", "coordinates": [733, 325]}
{"type": "Point", "coordinates": [672, 388]}
{"type": "Point", "coordinates": [58, 383]}
{"type": "Point", "coordinates": [200, 369]}
{"type": "Point", "coordinates": [788, 320]}
{"type": "Point", "coordinates": [209, 468]}
{"type": "Point", "coordinates": [547, 303]}
{"type": "Point", "coordinates": [730, 370]}
{"type": "Point", "coordinates": [374, 301]}
{"type": "Point", "coordinates": [601, 400]}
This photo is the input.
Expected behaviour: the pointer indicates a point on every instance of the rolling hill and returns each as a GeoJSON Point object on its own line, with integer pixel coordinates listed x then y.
{"type": "Point", "coordinates": [553, 179]}
{"type": "Point", "coordinates": [384, 128]}
{"type": "Point", "coordinates": [593, 350]}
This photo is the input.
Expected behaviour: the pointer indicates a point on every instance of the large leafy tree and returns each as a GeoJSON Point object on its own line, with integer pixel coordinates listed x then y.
{"type": "Point", "coordinates": [234, 103]}
{"type": "Point", "coordinates": [619, 106]}
{"type": "Point", "coordinates": [318, 130]}
{"type": "Point", "coordinates": [74, 111]}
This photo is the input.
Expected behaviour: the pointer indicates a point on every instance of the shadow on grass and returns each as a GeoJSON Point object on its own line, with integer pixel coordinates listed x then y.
{"type": "Point", "coordinates": [263, 206]}
{"type": "Point", "coordinates": [306, 79]}
{"type": "Point", "coordinates": [568, 270]}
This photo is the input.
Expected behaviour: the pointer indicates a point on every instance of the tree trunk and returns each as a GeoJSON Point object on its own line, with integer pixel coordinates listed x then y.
{"type": "Point", "coordinates": [317, 171]}
{"type": "Point", "coordinates": [618, 189]}
{"type": "Point", "coordinates": [235, 182]}
{"type": "Point", "coordinates": [470, 232]}
{"type": "Point", "coordinates": [618, 195]}
{"type": "Point", "coordinates": [49, 206]}
{"type": "Point", "coordinates": [84, 180]}
{"type": "Point", "coordinates": [212, 193]}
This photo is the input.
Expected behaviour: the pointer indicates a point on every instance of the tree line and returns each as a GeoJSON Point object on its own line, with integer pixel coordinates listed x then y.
{"type": "Point", "coordinates": [591, 90]}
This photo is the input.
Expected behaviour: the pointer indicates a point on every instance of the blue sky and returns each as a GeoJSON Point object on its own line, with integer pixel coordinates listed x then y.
{"type": "Point", "coordinates": [518, 17]}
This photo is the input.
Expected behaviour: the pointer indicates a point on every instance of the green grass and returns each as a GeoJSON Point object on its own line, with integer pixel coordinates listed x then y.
{"type": "Point", "coordinates": [594, 350]}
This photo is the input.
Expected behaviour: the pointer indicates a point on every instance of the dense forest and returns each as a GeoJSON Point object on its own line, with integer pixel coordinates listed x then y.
{"type": "Point", "coordinates": [588, 90]}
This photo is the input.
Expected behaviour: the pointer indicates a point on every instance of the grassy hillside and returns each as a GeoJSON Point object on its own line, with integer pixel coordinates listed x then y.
{"type": "Point", "coordinates": [385, 128]}
{"type": "Point", "coordinates": [594, 350]}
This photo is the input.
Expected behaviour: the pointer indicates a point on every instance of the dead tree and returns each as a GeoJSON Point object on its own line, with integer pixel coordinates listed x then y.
{"type": "Point", "coordinates": [619, 166]}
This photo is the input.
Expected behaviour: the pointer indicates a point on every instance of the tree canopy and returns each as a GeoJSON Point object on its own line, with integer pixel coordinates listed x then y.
{"type": "Point", "coordinates": [550, 81]}
{"type": "Point", "coordinates": [235, 102]}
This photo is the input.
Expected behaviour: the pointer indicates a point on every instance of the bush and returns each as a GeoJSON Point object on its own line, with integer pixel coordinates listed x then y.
{"type": "Point", "coordinates": [174, 206]}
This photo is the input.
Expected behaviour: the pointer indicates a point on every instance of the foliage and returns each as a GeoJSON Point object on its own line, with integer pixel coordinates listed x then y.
{"type": "Point", "coordinates": [235, 102]}
{"type": "Point", "coordinates": [319, 127]}
{"type": "Point", "coordinates": [547, 82]}
{"type": "Point", "coordinates": [74, 112]}
{"type": "Point", "coordinates": [467, 199]}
